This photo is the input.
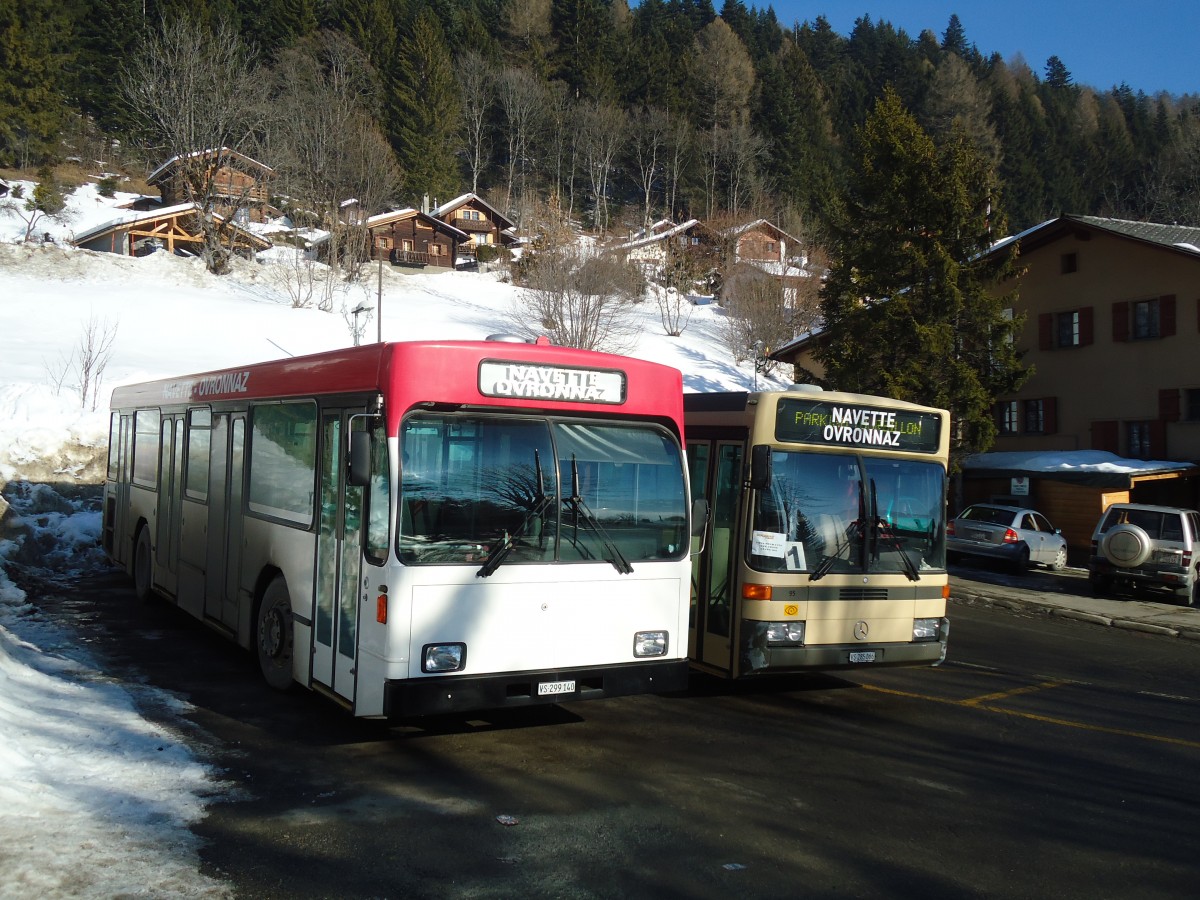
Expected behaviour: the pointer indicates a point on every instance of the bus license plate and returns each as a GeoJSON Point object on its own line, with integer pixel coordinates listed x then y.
{"type": "Point", "coordinates": [862, 656]}
{"type": "Point", "coordinates": [547, 688]}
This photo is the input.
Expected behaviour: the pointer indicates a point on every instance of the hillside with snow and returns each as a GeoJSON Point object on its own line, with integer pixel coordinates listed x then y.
{"type": "Point", "coordinates": [63, 727]}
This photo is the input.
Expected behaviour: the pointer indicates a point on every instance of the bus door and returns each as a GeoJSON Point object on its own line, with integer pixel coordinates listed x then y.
{"type": "Point", "coordinates": [170, 491]}
{"type": "Point", "coordinates": [223, 562]}
{"type": "Point", "coordinates": [122, 539]}
{"type": "Point", "coordinates": [339, 558]}
{"type": "Point", "coordinates": [716, 476]}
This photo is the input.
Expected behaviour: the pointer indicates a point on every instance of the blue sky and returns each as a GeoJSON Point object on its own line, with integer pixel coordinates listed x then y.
{"type": "Point", "coordinates": [1151, 45]}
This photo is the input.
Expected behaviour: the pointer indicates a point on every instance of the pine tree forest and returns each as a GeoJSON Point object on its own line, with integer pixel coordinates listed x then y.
{"type": "Point", "coordinates": [610, 113]}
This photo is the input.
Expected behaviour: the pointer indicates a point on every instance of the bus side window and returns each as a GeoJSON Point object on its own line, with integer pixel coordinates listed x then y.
{"type": "Point", "coordinates": [378, 531]}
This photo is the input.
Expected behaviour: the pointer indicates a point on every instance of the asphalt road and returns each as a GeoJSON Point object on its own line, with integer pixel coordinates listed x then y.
{"type": "Point", "coordinates": [1048, 757]}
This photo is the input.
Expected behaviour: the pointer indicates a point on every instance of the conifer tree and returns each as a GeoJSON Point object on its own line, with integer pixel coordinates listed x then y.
{"type": "Point", "coordinates": [910, 307]}
{"type": "Point", "coordinates": [32, 107]}
{"type": "Point", "coordinates": [423, 111]}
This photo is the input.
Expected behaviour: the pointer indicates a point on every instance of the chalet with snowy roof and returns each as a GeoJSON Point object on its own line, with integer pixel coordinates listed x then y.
{"type": "Point", "coordinates": [175, 229]}
{"type": "Point", "coordinates": [483, 224]}
{"type": "Point", "coordinates": [413, 239]}
{"type": "Point", "coordinates": [655, 246]}
{"type": "Point", "coordinates": [242, 185]}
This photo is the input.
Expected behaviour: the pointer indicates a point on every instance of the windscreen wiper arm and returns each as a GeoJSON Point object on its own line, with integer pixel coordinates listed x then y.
{"type": "Point", "coordinates": [540, 504]}
{"type": "Point", "coordinates": [884, 534]}
{"type": "Point", "coordinates": [580, 509]}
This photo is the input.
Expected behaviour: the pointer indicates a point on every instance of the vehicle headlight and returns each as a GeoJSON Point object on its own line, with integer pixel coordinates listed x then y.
{"type": "Point", "coordinates": [785, 633]}
{"type": "Point", "coordinates": [926, 629]}
{"type": "Point", "coordinates": [650, 643]}
{"type": "Point", "coordinates": [443, 657]}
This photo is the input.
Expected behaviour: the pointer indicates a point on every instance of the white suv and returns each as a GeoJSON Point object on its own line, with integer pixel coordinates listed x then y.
{"type": "Point", "coordinates": [1138, 546]}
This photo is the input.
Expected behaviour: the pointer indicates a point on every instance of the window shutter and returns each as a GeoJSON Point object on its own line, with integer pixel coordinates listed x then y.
{"type": "Point", "coordinates": [1106, 436]}
{"type": "Point", "coordinates": [1045, 332]}
{"type": "Point", "coordinates": [1168, 404]}
{"type": "Point", "coordinates": [1158, 440]}
{"type": "Point", "coordinates": [1120, 325]}
{"type": "Point", "coordinates": [1166, 315]}
{"type": "Point", "coordinates": [1087, 326]}
{"type": "Point", "coordinates": [1050, 415]}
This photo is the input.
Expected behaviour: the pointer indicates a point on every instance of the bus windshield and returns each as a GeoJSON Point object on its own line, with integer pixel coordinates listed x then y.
{"type": "Point", "coordinates": [498, 490]}
{"type": "Point", "coordinates": [828, 513]}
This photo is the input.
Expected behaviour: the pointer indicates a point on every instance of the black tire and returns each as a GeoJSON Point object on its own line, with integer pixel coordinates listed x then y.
{"type": "Point", "coordinates": [1021, 563]}
{"type": "Point", "coordinates": [274, 635]}
{"type": "Point", "coordinates": [1193, 598]}
{"type": "Point", "coordinates": [143, 566]}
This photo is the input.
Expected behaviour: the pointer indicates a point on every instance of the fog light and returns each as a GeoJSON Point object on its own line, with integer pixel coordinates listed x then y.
{"type": "Point", "coordinates": [443, 657]}
{"type": "Point", "coordinates": [785, 633]}
{"type": "Point", "coordinates": [650, 643]}
{"type": "Point", "coordinates": [926, 629]}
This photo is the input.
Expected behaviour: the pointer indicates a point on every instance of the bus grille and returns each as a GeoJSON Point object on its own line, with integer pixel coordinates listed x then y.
{"type": "Point", "coordinates": [863, 594]}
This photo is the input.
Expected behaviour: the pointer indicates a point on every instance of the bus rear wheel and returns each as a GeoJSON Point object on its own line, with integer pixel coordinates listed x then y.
{"type": "Point", "coordinates": [274, 635]}
{"type": "Point", "coordinates": [143, 566]}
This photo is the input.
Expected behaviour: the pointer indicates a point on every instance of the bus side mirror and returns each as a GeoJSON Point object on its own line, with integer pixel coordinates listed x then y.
{"type": "Point", "coordinates": [360, 458]}
{"type": "Point", "coordinates": [760, 467]}
{"type": "Point", "coordinates": [699, 516]}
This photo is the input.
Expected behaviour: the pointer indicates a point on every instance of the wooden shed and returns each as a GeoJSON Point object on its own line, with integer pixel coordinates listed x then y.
{"type": "Point", "coordinates": [175, 229]}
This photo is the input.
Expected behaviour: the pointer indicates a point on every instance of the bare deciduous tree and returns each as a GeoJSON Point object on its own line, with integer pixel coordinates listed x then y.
{"type": "Point", "coordinates": [581, 300]}
{"type": "Point", "coordinates": [475, 80]}
{"type": "Point", "coordinates": [650, 130]}
{"type": "Point", "coordinates": [674, 309]}
{"type": "Point", "coordinates": [195, 92]}
{"type": "Point", "coordinates": [92, 354]}
{"type": "Point", "coordinates": [602, 131]}
{"type": "Point", "coordinates": [522, 98]}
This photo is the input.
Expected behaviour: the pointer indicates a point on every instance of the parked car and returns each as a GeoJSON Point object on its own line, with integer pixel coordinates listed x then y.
{"type": "Point", "coordinates": [1013, 534]}
{"type": "Point", "coordinates": [1141, 546]}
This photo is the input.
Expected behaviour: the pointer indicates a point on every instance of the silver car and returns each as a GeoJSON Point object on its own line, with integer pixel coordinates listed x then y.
{"type": "Point", "coordinates": [1020, 537]}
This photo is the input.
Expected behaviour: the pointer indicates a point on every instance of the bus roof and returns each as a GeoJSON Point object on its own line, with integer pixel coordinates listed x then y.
{"type": "Point", "coordinates": [517, 375]}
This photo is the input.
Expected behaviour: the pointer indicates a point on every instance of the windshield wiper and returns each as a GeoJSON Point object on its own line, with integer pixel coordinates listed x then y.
{"type": "Point", "coordinates": [541, 503]}
{"type": "Point", "coordinates": [857, 529]}
{"type": "Point", "coordinates": [580, 509]}
{"type": "Point", "coordinates": [884, 534]}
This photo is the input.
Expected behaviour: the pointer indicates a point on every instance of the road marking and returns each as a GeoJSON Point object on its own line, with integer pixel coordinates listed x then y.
{"type": "Point", "coordinates": [984, 704]}
{"type": "Point", "coordinates": [1014, 692]}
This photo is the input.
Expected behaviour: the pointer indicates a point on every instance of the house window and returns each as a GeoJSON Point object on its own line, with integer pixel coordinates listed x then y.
{"type": "Point", "coordinates": [407, 246]}
{"type": "Point", "coordinates": [437, 250]}
{"type": "Point", "coordinates": [1145, 319]}
{"type": "Point", "coordinates": [383, 243]}
{"type": "Point", "coordinates": [1008, 417]}
{"type": "Point", "coordinates": [1035, 416]}
{"type": "Point", "coordinates": [1191, 399]}
{"type": "Point", "coordinates": [1070, 263]}
{"type": "Point", "coordinates": [1068, 329]}
{"type": "Point", "coordinates": [1138, 437]}
{"type": "Point", "coordinates": [472, 214]}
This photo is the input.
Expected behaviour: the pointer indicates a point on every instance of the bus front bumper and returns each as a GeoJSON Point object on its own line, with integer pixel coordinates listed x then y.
{"type": "Point", "coordinates": [759, 657]}
{"type": "Point", "coordinates": [463, 693]}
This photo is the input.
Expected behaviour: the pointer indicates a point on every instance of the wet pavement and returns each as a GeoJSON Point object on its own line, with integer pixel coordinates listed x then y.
{"type": "Point", "coordinates": [1068, 594]}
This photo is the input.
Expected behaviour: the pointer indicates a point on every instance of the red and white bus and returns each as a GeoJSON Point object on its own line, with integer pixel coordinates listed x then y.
{"type": "Point", "coordinates": [416, 528]}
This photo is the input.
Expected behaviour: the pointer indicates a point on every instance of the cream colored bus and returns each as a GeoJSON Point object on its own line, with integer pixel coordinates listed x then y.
{"type": "Point", "coordinates": [826, 541]}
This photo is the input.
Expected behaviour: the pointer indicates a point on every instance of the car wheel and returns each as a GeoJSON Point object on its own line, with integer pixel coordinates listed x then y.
{"type": "Point", "coordinates": [1194, 594]}
{"type": "Point", "coordinates": [1127, 546]}
{"type": "Point", "coordinates": [1021, 563]}
{"type": "Point", "coordinates": [1060, 559]}
{"type": "Point", "coordinates": [274, 637]}
{"type": "Point", "coordinates": [143, 567]}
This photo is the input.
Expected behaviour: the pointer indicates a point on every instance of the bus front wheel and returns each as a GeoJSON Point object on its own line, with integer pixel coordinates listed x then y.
{"type": "Point", "coordinates": [275, 635]}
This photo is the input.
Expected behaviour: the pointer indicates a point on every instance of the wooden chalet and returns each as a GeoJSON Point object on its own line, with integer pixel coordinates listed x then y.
{"type": "Point", "coordinates": [242, 185]}
{"type": "Point", "coordinates": [482, 222]}
{"type": "Point", "coordinates": [175, 229]}
{"type": "Point", "coordinates": [409, 237]}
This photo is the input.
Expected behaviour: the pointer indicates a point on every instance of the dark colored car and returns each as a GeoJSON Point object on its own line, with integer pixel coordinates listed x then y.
{"type": "Point", "coordinates": [1020, 537]}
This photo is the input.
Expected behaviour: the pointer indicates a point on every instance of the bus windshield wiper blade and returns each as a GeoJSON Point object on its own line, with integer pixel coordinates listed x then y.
{"type": "Point", "coordinates": [616, 557]}
{"type": "Point", "coordinates": [502, 549]}
{"type": "Point", "coordinates": [823, 569]}
{"type": "Point", "coordinates": [883, 534]}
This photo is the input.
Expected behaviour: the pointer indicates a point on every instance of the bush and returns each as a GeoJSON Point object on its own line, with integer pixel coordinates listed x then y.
{"type": "Point", "coordinates": [487, 253]}
{"type": "Point", "coordinates": [107, 186]}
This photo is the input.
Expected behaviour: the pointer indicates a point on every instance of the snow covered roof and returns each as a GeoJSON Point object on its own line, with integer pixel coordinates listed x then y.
{"type": "Point", "coordinates": [660, 236]}
{"type": "Point", "coordinates": [223, 151]}
{"type": "Point", "coordinates": [502, 220]}
{"type": "Point", "coordinates": [407, 213]}
{"type": "Point", "coordinates": [138, 217]}
{"type": "Point", "coordinates": [1180, 238]}
{"type": "Point", "coordinates": [1095, 467]}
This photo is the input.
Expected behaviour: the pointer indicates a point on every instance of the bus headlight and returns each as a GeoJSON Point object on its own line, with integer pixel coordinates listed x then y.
{"type": "Point", "coordinates": [650, 643]}
{"type": "Point", "coordinates": [443, 657]}
{"type": "Point", "coordinates": [926, 629]}
{"type": "Point", "coordinates": [785, 633]}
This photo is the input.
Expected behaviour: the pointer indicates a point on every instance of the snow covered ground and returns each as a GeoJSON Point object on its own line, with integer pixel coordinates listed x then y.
{"type": "Point", "coordinates": [95, 801]}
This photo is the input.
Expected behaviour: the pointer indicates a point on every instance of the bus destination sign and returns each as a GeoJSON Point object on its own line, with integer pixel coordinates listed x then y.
{"type": "Point", "coordinates": [851, 425]}
{"type": "Point", "coordinates": [533, 382]}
